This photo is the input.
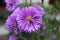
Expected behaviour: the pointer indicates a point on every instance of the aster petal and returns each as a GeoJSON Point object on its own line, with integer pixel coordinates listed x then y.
{"type": "Point", "coordinates": [12, 1]}
{"type": "Point", "coordinates": [13, 37]}
{"type": "Point", "coordinates": [7, 1]}
{"type": "Point", "coordinates": [22, 24]}
{"type": "Point", "coordinates": [32, 10]}
{"type": "Point", "coordinates": [15, 12]}
{"type": "Point", "coordinates": [39, 21]}
{"type": "Point", "coordinates": [37, 13]}
{"type": "Point", "coordinates": [39, 8]}
{"type": "Point", "coordinates": [17, 30]}
{"type": "Point", "coordinates": [37, 26]}
{"type": "Point", "coordinates": [26, 28]}
{"type": "Point", "coordinates": [31, 28]}
{"type": "Point", "coordinates": [25, 10]}
{"type": "Point", "coordinates": [37, 17]}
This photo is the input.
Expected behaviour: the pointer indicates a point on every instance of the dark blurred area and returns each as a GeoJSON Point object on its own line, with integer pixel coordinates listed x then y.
{"type": "Point", "coordinates": [3, 11]}
{"type": "Point", "coordinates": [2, 8]}
{"type": "Point", "coordinates": [2, 3]}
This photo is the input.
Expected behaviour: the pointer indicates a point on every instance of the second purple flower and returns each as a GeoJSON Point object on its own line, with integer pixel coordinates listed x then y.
{"type": "Point", "coordinates": [12, 4]}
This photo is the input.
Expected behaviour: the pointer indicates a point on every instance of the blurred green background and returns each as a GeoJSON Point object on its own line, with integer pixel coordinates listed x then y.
{"type": "Point", "coordinates": [51, 20]}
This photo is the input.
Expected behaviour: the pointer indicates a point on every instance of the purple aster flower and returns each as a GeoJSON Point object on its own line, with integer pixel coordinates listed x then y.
{"type": "Point", "coordinates": [13, 37]}
{"type": "Point", "coordinates": [12, 4]}
{"type": "Point", "coordinates": [53, 37]}
{"type": "Point", "coordinates": [39, 8]}
{"type": "Point", "coordinates": [29, 19]}
{"type": "Point", "coordinates": [12, 24]}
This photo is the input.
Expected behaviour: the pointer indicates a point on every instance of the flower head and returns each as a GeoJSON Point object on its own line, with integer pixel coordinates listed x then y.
{"type": "Point", "coordinates": [29, 19]}
{"type": "Point", "coordinates": [12, 24]}
{"type": "Point", "coordinates": [11, 4]}
{"type": "Point", "coordinates": [13, 37]}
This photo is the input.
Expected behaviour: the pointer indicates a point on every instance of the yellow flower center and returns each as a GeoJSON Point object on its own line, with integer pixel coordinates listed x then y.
{"type": "Point", "coordinates": [29, 18]}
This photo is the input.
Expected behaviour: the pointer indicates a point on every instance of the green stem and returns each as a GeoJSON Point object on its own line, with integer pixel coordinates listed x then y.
{"type": "Point", "coordinates": [25, 2]}
{"type": "Point", "coordinates": [30, 2]}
